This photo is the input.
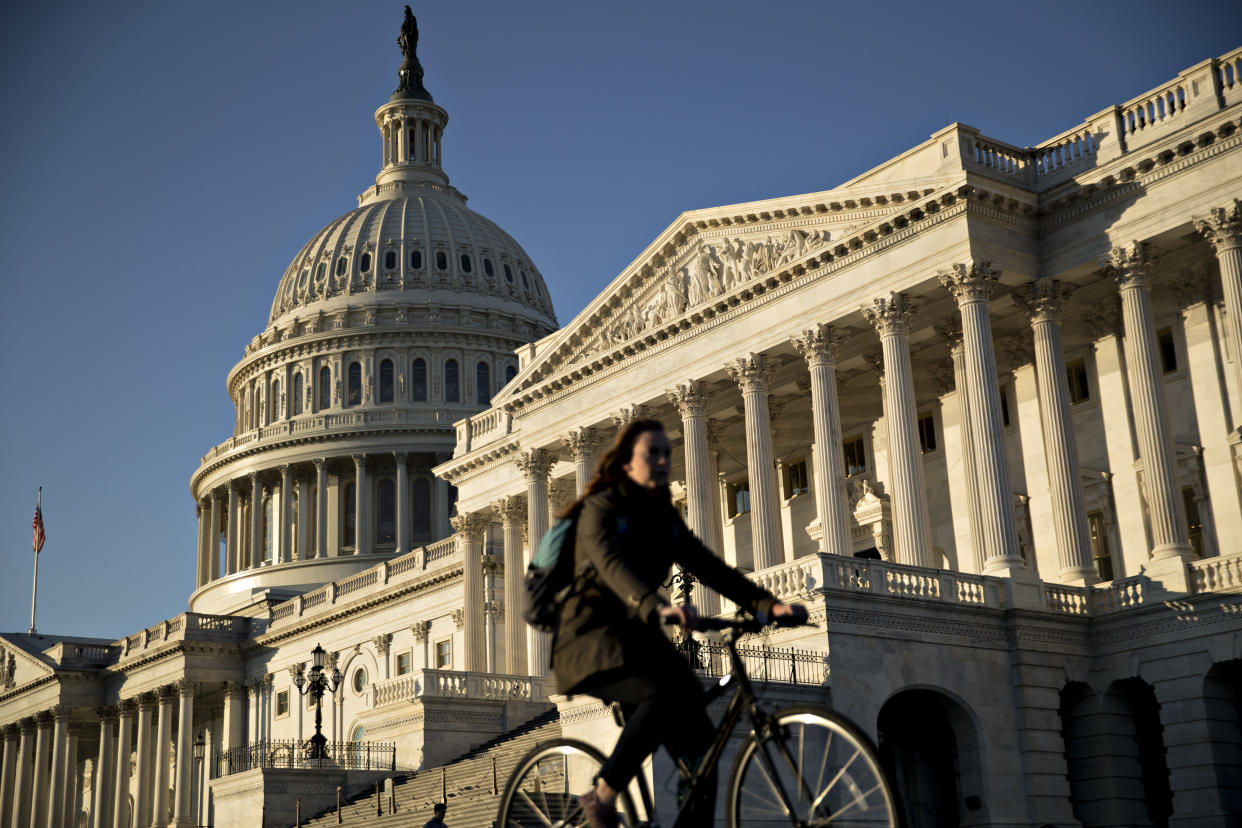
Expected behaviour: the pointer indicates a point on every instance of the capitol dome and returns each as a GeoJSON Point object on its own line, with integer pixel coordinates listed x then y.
{"type": "Point", "coordinates": [397, 320]}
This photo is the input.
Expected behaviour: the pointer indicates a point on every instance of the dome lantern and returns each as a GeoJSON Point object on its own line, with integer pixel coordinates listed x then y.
{"type": "Point", "coordinates": [411, 124]}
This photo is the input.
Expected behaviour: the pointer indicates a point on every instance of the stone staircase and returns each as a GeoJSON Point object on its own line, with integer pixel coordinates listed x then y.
{"type": "Point", "coordinates": [471, 784]}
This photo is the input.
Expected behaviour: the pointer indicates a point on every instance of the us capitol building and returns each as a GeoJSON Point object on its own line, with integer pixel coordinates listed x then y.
{"type": "Point", "coordinates": [980, 408]}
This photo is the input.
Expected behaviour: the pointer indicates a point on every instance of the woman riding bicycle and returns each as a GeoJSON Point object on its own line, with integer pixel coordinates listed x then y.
{"type": "Point", "coordinates": [609, 643]}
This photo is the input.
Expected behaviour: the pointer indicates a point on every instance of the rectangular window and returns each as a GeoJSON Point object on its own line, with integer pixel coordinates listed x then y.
{"type": "Point", "coordinates": [1168, 351]}
{"type": "Point", "coordinates": [1079, 388]}
{"type": "Point", "coordinates": [404, 664]}
{"type": "Point", "coordinates": [1194, 520]}
{"type": "Point", "coordinates": [795, 479]}
{"type": "Point", "coordinates": [444, 654]}
{"type": "Point", "coordinates": [739, 498]}
{"type": "Point", "coordinates": [1098, 533]}
{"type": "Point", "coordinates": [282, 703]}
{"type": "Point", "coordinates": [927, 433]}
{"type": "Point", "coordinates": [855, 456]}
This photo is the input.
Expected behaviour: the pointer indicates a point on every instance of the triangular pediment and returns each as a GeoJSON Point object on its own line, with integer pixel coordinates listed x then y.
{"type": "Point", "coordinates": [21, 659]}
{"type": "Point", "coordinates": [720, 257]}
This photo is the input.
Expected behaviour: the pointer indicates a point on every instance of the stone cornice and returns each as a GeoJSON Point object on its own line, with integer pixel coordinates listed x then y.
{"type": "Point", "coordinates": [478, 462]}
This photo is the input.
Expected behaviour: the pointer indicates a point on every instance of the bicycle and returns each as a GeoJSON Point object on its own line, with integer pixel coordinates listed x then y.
{"type": "Point", "coordinates": [802, 766]}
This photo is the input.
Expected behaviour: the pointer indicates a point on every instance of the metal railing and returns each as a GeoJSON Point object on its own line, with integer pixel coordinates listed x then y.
{"type": "Point", "coordinates": [291, 753]}
{"type": "Point", "coordinates": [786, 665]}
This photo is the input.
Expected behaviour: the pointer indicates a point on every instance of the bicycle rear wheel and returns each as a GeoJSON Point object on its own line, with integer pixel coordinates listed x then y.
{"type": "Point", "coordinates": [544, 788]}
{"type": "Point", "coordinates": [819, 770]}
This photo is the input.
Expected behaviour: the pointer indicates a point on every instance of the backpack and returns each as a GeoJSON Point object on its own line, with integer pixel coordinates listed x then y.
{"type": "Point", "coordinates": [549, 578]}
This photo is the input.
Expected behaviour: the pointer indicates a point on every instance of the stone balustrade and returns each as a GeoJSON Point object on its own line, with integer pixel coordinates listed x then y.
{"type": "Point", "coordinates": [884, 578]}
{"type": "Point", "coordinates": [1217, 574]}
{"type": "Point", "coordinates": [481, 429]}
{"type": "Point", "coordinates": [455, 684]}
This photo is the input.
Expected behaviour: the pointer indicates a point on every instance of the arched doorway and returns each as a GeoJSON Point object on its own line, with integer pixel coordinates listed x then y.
{"type": "Point", "coordinates": [1222, 707]}
{"type": "Point", "coordinates": [929, 746]}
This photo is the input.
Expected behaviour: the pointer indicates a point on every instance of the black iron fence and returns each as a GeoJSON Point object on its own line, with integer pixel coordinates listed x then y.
{"type": "Point", "coordinates": [780, 664]}
{"type": "Point", "coordinates": [290, 753]}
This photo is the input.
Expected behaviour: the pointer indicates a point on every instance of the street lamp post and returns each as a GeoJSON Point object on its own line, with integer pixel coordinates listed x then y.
{"type": "Point", "coordinates": [200, 750]}
{"type": "Point", "coordinates": [315, 684]}
{"type": "Point", "coordinates": [684, 582]}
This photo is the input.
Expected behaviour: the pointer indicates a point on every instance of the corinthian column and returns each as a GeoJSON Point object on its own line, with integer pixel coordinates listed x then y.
{"type": "Point", "coordinates": [971, 285]}
{"type": "Point", "coordinates": [582, 443]}
{"type": "Point", "coordinates": [470, 529]}
{"type": "Point", "coordinates": [213, 539]}
{"type": "Point", "coordinates": [256, 521]}
{"type": "Point", "coordinates": [321, 507]}
{"type": "Point", "coordinates": [403, 505]}
{"type": "Point", "coordinates": [361, 517]}
{"type": "Point", "coordinates": [200, 573]}
{"type": "Point", "coordinates": [285, 535]}
{"type": "Point", "coordinates": [183, 809]}
{"type": "Point", "coordinates": [512, 513]}
{"type": "Point", "coordinates": [1223, 230]}
{"type": "Point", "coordinates": [818, 347]}
{"type": "Point", "coordinates": [58, 791]}
{"type": "Point", "coordinates": [753, 375]}
{"type": "Point", "coordinates": [120, 790]}
{"type": "Point", "coordinates": [142, 769]}
{"type": "Point", "coordinates": [8, 795]}
{"type": "Point", "coordinates": [950, 330]}
{"type": "Point", "coordinates": [104, 768]}
{"type": "Point", "coordinates": [690, 400]}
{"type": "Point", "coordinates": [232, 541]}
{"type": "Point", "coordinates": [890, 316]}
{"type": "Point", "coordinates": [39, 789]}
{"type": "Point", "coordinates": [535, 465]}
{"type": "Point", "coordinates": [163, 739]}
{"type": "Point", "coordinates": [1042, 299]}
{"type": "Point", "coordinates": [1130, 266]}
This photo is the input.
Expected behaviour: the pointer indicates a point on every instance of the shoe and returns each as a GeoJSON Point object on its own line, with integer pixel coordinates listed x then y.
{"type": "Point", "coordinates": [598, 815]}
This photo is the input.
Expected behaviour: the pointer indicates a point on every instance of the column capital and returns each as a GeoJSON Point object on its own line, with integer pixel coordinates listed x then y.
{"type": "Point", "coordinates": [421, 630]}
{"type": "Point", "coordinates": [1192, 286]}
{"type": "Point", "coordinates": [560, 490]}
{"type": "Point", "coordinates": [942, 372]}
{"type": "Point", "coordinates": [185, 687]}
{"type": "Point", "coordinates": [628, 414]}
{"type": "Point", "coordinates": [283, 468]}
{"type": "Point", "coordinates": [254, 478]}
{"type": "Point", "coordinates": [1129, 265]}
{"type": "Point", "coordinates": [360, 460]}
{"type": "Point", "coordinates": [582, 444]}
{"type": "Point", "coordinates": [1103, 319]}
{"type": "Point", "coordinates": [1043, 299]}
{"type": "Point", "coordinates": [820, 344]}
{"type": "Point", "coordinates": [459, 617]}
{"type": "Point", "coordinates": [890, 315]}
{"type": "Point", "coordinates": [400, 457]}
{"type": "Point", "coordinates": [11, 729]}
{"type": "Point", "coordinates": [534, 464]}
{"type": "Point", "coordinates": [950, 330]}
{"type": "Point", "coordinates": [168, 692]}
{"type": "Point", "coordinates": [715, 432]}
{"type": "Point", "coordinates": [875, 362]}
{"type": "Point", "coordinates": [319, 463]}
{"type": "Point", "coordinates": [382, 643]}
{"type": "Point", "coordinates": [147, 701]}
{"type": "Point", "coordinates": [471, 525]}
{"type": "Point", "coordinates": [233, 688]}
{"type": "Point", "coordinates": [296, 669]}
{"type": "Point", "coordinates": [511, 510]}
{"type": "Point", "coordinates": [1223, 227]}
{"type": "Point", "coordinates": [689, 398]}
{"type": "Point", "coordinates": [1019, 348]}
{"type": "Point", "coordinates": [752, 373]}
{"type": "Point", "coordinates": [126, 707]}
{"type": "Point", "coordinates": [971, 281]}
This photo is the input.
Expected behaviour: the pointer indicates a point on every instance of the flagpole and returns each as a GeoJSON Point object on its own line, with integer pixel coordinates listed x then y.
{"type": "Point", "coordinates": [34, 595]}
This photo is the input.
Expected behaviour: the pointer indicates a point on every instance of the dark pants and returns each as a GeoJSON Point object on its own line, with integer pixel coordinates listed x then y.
{"type": "Point", "coordinates": [666, 709]}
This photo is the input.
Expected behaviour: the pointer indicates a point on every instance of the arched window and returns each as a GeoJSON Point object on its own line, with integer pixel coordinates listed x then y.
{"type": "Point", "coordinates": [465, 263]}
{"type": "Point", "coordinates": [299, 387]}
{"type": "Point", "coordinates": [348, 515]}
{"type": "Point", "coordinates": [441, 260]}
{"type": "Point", "coordinates": [482, 383]}
{"type": "Point", "coordinates": [418, 378]}
{"type": "Point", "coordinates": [390, 260]}
{"type": "Point", "coordinates": [303, 278]}
{"type": "Point", "coordinates": [416, 259]}
{"type": "Point", "coordinates": [355, 384]}
{"type": "Point", "coordinates": [273, 410]}
{"type": "Point", "coordinates": [510, 373]}
{"type": "Point", "coordinates": [364, 263]}
{"type": "Point", "coordinates": [452, 390]}
{"type": "Point", "coordinates": [525, 283]}
{"type": "Point", "coordinates": [488, 269]}
{"type": "Point", "coordinates": [421, 524]}
{"type": "Point", "coordinates": [386, 513]}
{"type": "Point", "coordinates": [341, 264]}
{"type": "Point", "coordinates": [255, 406]}
{"type": "Point", "coordinates": [320, 269]}
{"type": "Point", "coordinates": [385, 383]}
{"type": "Point", "coordinates": [508, 274]}
{"type": "Point", "coordinates": [325, 387]}
{"type": "Point", "coordinates": [269, 529]}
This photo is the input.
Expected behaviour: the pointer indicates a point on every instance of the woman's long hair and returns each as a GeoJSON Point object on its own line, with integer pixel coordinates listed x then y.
{"type": "Point", "coordinates": [618, 453]}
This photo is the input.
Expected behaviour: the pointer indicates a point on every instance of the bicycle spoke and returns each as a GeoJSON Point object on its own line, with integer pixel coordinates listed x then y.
{"type": "Point", "coordinates": [535, 809]}
{"type": "Point", "coordinates": [833, 783]}
{"type": "Point", "coordinates": [861, 799]}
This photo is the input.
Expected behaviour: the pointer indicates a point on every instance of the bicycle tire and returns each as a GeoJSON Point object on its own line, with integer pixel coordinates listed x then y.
{"type": "Point", "coordinates": [826, 766]}
{"type": "Point", "coordinates": [543, 790]}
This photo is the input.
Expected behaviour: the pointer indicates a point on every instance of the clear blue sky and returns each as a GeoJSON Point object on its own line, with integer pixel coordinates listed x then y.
{"type": "Point", "coordinates": [164, 161]}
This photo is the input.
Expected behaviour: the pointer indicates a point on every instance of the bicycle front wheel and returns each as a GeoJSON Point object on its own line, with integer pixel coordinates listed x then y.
{"type": "Point", "coordinates": [544, 789]}
{"type": "Point", "coordinates": [816, 769]}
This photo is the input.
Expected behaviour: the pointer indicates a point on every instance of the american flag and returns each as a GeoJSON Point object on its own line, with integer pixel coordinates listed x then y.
{"type": "Point", "coordinates": [39, 535]}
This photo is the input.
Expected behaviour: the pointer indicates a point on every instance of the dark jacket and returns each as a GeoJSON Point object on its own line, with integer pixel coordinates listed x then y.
{"type": "Point", "coordinates": [627, 541]}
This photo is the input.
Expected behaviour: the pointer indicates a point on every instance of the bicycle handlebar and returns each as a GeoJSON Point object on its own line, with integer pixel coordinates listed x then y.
{"type": "Point", "coordinates": [742, 624]}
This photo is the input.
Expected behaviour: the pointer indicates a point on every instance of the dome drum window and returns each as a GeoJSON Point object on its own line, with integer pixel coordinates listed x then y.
{"type": "Point", "coordinates": [390, 260]}
{"type": "Point", "coordinates": [452, 385]}
{"type": "Point", "coordinates": [441, 260]}
{"type": "Point", "coordinates": [416, 259]}
{"type": "Point", "coordinates": [418, 378]}
{"type": "Point", "coordinates": [364, 263]}
{"type": "Point", "coordinates": [488, 269]}
{"type": "Point", "coordinates": [385, 381]}
{"type": "Point", "coordinates": [341, 264]}
{"type": "Point", "coordinates": [355, 384]}
{"type": "Point", "coordinates": [508, 274]}
{"type": "Point", "coordinates": [465, 263]}
{"type": "Point", "coordinates": [320, 270]}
